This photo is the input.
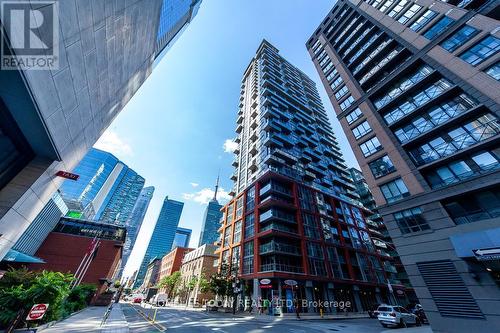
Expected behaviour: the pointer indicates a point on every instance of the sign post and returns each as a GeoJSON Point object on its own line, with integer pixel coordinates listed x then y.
{"type": "Point", "coordinates": [37, 311]}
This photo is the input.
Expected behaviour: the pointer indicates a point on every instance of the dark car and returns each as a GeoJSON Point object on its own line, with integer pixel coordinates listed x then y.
{"type": "Point", "coordinates": [372, 312]}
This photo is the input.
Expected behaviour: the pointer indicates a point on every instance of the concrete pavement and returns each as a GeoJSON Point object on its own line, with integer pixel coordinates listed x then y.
{"type": "Point", "coordinates": [89, 320]}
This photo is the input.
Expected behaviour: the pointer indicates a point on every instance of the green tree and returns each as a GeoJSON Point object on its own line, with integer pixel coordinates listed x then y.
{"type": "Point", "coordinates": [170, 283]}
{"type": "Point", "coordinates": [220, 283]}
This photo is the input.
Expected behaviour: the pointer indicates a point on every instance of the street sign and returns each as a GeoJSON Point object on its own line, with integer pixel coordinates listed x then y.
{"type": "Point", "coordinates": [290, 282]}
{"type": "Point", "coordinates": [67, 175]}
{"type": "Point", "coordinates": [265, 281]}
{"type": "Point", "coordinates": [487, 254]}
{"type": "Point", "coordinates": [37, 311]}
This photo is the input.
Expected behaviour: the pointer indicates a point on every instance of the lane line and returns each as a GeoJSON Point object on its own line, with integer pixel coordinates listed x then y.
{"type": "Point", "coordinates": [158, 326]}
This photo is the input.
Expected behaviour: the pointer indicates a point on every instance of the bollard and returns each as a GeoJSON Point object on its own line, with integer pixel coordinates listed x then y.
{"type": "Point", "coordinates": [321, 312]}
{"type": "Point", "coordinates": [154, 316]}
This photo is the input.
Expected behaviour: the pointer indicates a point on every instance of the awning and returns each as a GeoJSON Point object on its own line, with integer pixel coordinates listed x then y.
{"type": "Point", "coordinates": [16, 256]}
{"type": "Point", "coordinates": [477, 244]}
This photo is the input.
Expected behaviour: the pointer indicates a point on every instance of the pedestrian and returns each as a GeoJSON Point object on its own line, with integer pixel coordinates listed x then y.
{"type": "Point", "coordinates": [250, 306]}
{"type": "Point", "coordinates": [259, 305]}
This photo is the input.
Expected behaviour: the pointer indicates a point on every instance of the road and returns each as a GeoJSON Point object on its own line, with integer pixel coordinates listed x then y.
{"type": "Point", "coordinates": [180, 320]}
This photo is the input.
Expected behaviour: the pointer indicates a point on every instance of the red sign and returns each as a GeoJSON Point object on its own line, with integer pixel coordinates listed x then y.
{"type": "Point", "coordinates": [266, 286]}
{"type": "Point", "coordinates": [67, 175]}
{"type": "Point", "coordinates": [37, 311]}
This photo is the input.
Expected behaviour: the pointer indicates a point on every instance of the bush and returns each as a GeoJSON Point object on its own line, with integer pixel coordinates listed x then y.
{"type": "Point", "coordinates": [79, 298]}
{"type": "Point", "coordinates": [20, 289]}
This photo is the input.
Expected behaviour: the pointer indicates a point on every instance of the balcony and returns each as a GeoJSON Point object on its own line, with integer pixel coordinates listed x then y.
{"type": "Point", "coordinates": [271, 187]}
{"type": "Point", "coordinates": [281, 268]}
{"type": "Point", "coordinates": [278, 227]}
{"type": "Point", "coordinates": [274, 214]}
{"type": "Point", "coordinates": [274, 247]}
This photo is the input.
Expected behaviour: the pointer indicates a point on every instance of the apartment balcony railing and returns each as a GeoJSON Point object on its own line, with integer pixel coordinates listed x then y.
{"type": "Point", "coordinates": [278, 227]}
{"type": "Point", "coordinates": [465, 175]}
{"type": "Point", "coordinates": [459, 142]}
{"type": "Point", "coordinates": [279, 247]}
{"type": "Point", "coordinates": [278, 215]}
{"type": "Point", "coordinates": [281, 268]}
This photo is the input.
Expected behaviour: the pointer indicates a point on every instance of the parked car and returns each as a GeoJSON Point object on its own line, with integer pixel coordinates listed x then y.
{"type": "Point", "coordinates": [213, 305]}
{"type": "Point", "coordinates": [372, 312]}
{"type": "Point", "coordinates": [392, 315]}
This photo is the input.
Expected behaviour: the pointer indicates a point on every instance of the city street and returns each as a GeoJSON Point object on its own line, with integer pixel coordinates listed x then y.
{"type": "Point", "coordinates": [178, 319]}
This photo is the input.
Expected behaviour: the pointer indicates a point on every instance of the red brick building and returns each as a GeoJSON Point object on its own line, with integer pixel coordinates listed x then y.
{"type": "Point", "coordinates": [66, 246]}
{"type": "Point", "coordinates": [172, 261]}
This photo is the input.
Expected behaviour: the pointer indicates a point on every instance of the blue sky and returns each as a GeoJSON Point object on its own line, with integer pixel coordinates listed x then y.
{"type": "Point", "coordinates": [173, 130]}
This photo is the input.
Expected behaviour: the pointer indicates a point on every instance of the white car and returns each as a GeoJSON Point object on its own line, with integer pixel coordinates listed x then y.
{"type": "Point", "coordinates": [392, 315]}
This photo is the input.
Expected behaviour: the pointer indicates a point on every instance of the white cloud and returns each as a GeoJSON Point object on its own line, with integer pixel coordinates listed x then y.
{"type": "Point", "coordinates": [194, 184]}
{"type": "Point", "coordinates": [203, 196]}
{"type": "Point", "coordinates": [229, 146]}
{"type": "Point", "coordinates": [111, 142]}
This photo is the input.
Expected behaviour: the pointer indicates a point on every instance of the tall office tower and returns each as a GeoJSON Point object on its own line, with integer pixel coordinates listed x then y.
{"type": "Point", "coordinates": [122, 198]}
{"type": "Point", "coordinates": [174, 18]}
{"type": "Point", "coordinates": [211, 220]}
{"type": "Point", "coordinates": [382, 240]}
{"type": "Point", "coordinates": [163, 236]}
{"type": "Point", "coordinates": [134, 222]}
{"type": "Point", "coordinates": [293, 217]}
{"type": "Point", "coordinates": [50, 118]}
{"type": "Point", "coordinates": [415, 87]}
{"type": "Point", "coordinates": [182, 237]}
{"type": "Point", "coordinates": [107, 188]}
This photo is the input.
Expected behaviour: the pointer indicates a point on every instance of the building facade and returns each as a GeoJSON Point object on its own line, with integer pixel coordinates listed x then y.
{"type": "Point", "coordinates": [415, 88]}
{"type": "Point", "coordinates": [197, 263]}
{"type": "Point", "coordinates": [382, 240]}
{"type": "Point", "coordinates": [75, 236]}
{"type": "Point", "coordinates": [175, 16]}
{"type": "Point", "coordinates": [295, 216]}
{"type": "Point", "coordinates": [152, 274]}
{"type": "Point", "coordinates": [134, 222]}
{"type": "Point", "coordinates": [171, 262]}
{"type": "Point", "coordinates": [163, 235]}
{"type": "Point", "coordinates": [49, 119]}
{"type": "Point", "coordinates": [211, 220]}
{"type": "Point", "coordinates": [182, 237]}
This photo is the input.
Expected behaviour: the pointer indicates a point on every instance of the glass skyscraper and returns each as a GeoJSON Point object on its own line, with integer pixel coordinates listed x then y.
{"type": "Point", "coordinates": [211, 220]}
{"type": "Point", "coordinates": [174, 18]}
{"type": "Point", "coordinates": [135, 220]}
{"type": "Point", "coordinates": [182, 237]}
{"type": "Point", "coordinates": [163, 235]}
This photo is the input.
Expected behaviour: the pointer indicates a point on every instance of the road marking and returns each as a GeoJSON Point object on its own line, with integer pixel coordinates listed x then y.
{"type": "Point", "coordinates": [158, 326]}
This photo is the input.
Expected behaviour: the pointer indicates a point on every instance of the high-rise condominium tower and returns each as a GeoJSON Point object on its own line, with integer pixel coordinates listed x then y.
{"type": "Point", "coordinates": [293, 216]}
{"type": "Point", "coordinates": [163, 235]}
{"type": "Point", "coordinates": [415, 85]}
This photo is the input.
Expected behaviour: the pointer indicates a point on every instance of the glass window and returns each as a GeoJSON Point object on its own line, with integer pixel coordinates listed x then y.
{"type": "Point", "coordinates": [249, 226]}
{"type": "Point", "coordinates": [494, 71]}
{"type": "Point", "coordinates": [361, 130]}
{"type": "Point", "coordinates": [381, 166]}
{"type": "Point", "coordinates": [411, 220]}
{"type": "Point", "coordinates": [347, 103]}
{"type": "Point", "coordinates": [409, 14]}
{"type": "Point", "coordinates": [423, 20]}
{"type": "Point", "coordinates": [331, 74]}
{"type": "Point", "coordinates": [370, 147]}
{"type": "Point", "coordinates": [335, 84]}
{"type": "Point", "coordinates": [394, 190]}
{"type": "Point", "coordinates": [398, 8]}
{"type": "Point", "coordinates": [386, 5]}
{"type": "Point", "coordinates": [459, 38]}
{"type": "Point", "coordinates": [438, 27]}
{"type": "Point", "coordinates": [485, 161]}
{"type": "Point", "coordinates": [341, 93]}
{"type": "Point", "coordinates": [353, 116]}
{"type": "Point", "coordinates": [482, 50]}
{"type": "Point", "coordinates": [474, 206]}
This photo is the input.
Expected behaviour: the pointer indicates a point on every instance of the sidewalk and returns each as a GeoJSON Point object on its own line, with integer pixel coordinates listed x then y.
{"type": "Point", "coordinates": [291, 316]}
{"type": "Point", "coordinates": [89, 320]}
